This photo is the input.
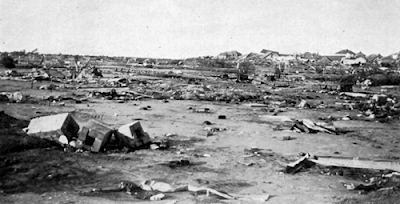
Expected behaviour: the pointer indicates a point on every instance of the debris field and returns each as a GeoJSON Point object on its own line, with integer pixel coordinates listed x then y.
{"type": "Point", "coordinates": [198, 136]}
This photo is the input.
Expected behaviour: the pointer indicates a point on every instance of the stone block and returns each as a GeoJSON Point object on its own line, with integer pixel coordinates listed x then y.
{"type": "Point", "coordinates": [53, 126]}
{"type": "Point", "coordinates": [95, 135]}
{"type": "Point", "coordinates": [132, 135]}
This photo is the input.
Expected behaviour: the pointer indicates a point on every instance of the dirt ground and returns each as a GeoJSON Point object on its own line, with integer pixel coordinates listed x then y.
{"type": "Point", "coordinates": [47, 174]}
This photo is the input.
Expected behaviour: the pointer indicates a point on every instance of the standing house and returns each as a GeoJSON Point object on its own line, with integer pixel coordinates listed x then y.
{"type": "Point", "coordinates": [335, 58]}
{"type": "Point", "coordinates": [347, 53]}
{"type": "Point", "coordinates": [360, 54]}
{"type": "Point", "coordinates": [356, 61]}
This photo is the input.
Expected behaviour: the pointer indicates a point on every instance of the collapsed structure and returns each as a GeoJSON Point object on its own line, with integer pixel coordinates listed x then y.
{"type": "Point", "coordinates": [92, 135]}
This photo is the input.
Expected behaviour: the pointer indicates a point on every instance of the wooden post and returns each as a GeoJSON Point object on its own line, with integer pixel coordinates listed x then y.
{"type": "Point", "coordinates": [33, 78]}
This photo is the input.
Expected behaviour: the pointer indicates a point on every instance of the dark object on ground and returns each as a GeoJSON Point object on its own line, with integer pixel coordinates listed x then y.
{"type": "Point", "coordinates": [302, 163]}
{"type": "Point", "coordinates": [146, 108]}
{"type": "Point", "coordinates": [346, 87]}
{"type": "Point", "coordinates": [162, 144]}
{"type": "Point", "coordinates": [222, 117]}
{"type": "Point", "coordinates": [182, 162]}
{"type": "Point", "coordinates": [135, 190]}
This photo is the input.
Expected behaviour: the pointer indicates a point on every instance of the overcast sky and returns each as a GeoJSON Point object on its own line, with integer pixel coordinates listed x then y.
{"type": "Point", "coordinates": [189, 28]}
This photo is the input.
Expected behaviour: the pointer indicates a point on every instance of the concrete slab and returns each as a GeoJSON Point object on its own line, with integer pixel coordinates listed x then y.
{"type": "Point", "coordinates": [132, 135]}
{"type": "Point", "coordinates": [95, 135]}
{"type": "Point", "coordinates": [53, 126]}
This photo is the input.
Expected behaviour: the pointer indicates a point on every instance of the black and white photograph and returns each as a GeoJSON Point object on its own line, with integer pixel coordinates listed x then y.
{"type": "Point", "coordinates": [200, 101]}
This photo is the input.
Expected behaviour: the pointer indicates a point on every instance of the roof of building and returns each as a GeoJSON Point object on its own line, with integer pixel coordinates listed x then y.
{"type": "Point", "coordinates": [324, 61]}
{"type": "Point", "coordinates": [390, 58]}
{"type": "Point", "coordinates": [345, 52]}
{"type": "Point", "coordinates": [360, 54]}
{"type": "Point", "coordinates": [372, 57]}
{"type": "Point", "coordinates": [265, 51]}
{"type": "Point", "coordinates": [334, 57]}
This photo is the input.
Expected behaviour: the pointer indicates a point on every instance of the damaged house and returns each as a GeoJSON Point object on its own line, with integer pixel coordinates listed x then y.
{"type": "Point", "coordinates": [232, 55]}
{"type": "Point", "coordinates": [391, 60]}
{"type": "Point", "coordinates": [90, 73]}
{"type": "Point", "coordinates": [269, 54]}
{"type": "Point", "coordinates": [374, 58]}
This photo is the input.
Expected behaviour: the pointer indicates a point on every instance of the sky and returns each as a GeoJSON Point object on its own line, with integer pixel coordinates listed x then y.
{"type": "Point", "coordinates": [191, 28]}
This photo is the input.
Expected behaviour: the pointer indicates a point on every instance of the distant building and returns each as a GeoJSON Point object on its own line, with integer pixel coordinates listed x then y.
{"type": "Point", "coordinates": [360, 54]}
{"type": "Point", "coordinates": [270, 53]}
{"type": "Point", "coordinates": [374, 58]}
{"type": "Point", "coordinates": [356, 61]}
{"type": "Point", "coordinates": [309, 57]}
{"type": "Point", "coordinates": [391, 60]}
{"type": "Point", "coordinates": [232, 55]}
{"type": "Point", "coordinates": [324, 61]}
{"type": "Point", "coordinates": [347, 53]}
{"type": "Point", "coordinates": [336, 58]}
{"type": "Point", "coordinates": [256, 58]}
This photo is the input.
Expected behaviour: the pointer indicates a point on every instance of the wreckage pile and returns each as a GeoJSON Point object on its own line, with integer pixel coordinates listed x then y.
{"type": "Point", "coordinates": [308, 126]}
{"type": "Point", "coordinates": [92, 136]}
{"type": "Point", "coordinates": [189, 92]}
{"type": "Point", "coordinates": [14, 97]}
{"type": "Point", "coordinates": [371, 107]}
{"type": "Point", "coordinates": [156, 190]}
{"type": "Point", "coordinates": [368, 175]}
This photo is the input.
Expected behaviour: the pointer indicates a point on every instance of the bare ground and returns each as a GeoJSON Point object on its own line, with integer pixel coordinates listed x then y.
{"type": "Point", "coordinates": [46, 174]}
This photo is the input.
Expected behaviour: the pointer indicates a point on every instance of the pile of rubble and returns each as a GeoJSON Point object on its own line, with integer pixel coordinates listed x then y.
{"type": "Point", "coordinates": [369, 175]}
{"type": "Point", "coordinates": [156, 190]}
{"type": "Point", "coordinates": [16, 97]}
{"type": "Point", "coordinates": [371, 107]}
{"type": "Point", "coordinates": [189, 92]}
{"type": "Point", "coordinates": [92, 136]}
